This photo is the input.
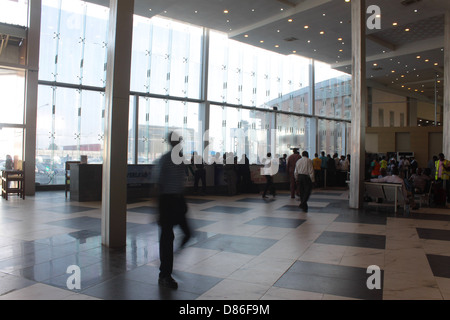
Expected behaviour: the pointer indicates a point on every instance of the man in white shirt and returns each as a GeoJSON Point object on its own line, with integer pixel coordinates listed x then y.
{"type": "Point", "coordinates": [304, 175]}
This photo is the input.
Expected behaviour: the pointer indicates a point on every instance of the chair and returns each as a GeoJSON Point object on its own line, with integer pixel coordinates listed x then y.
{"type": "Point", "coordinates": [426, 196]}
{"type": "Point", "coordinates": [13, 181]}
{"type": "Point", "coordinates": [67, 179]}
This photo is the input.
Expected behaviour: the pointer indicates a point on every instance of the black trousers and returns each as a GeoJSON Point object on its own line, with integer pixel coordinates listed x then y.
{"type": "Point", "coordinates": [200, 174]}
{"type": "Point", "coordinates": [305, 186]}
{"type": "Point", "coordinates": [269, 186]}
{"type": "Point", "coordinates": [172, 210]}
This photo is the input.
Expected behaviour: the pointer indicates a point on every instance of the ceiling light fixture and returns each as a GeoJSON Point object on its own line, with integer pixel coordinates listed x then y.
{"type": "Point", "coordinates": [395, 24]}
{"type": "Point", "coordinates": [306, 27]}
{"type": "Point", "coordinates": [407, 29]}
{"type": "Point", "coordinates": [290, 20]}
{"type": "Point", "coordinates": [322, 32]}
{"type": "Point", "coordinates": [226, 11]}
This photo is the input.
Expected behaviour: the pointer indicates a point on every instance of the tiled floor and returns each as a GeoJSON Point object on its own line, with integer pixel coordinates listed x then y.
{"type": "Point", "coordinates": [244, 248]}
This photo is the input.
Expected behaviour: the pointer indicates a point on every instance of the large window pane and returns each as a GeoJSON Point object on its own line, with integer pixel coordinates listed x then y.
{"type": "Point", "coordinates": [292, 132]}
{"type": "Point", "coordinates": [14, 12]}
{"type": "Point", "coordinates": [12, 88]}
{"type": "Point", "coordinates": [333, 92]}
{"type": "Point", "coordinates": [11, 147]}
{"type": "Point", "coordinates": [70, 44]}
{"type": "Point", "coordinates": [166, 58]}
{"type": "Point", "coordinates": [157, 117]}
{"type": "Point", "coordinates": [241, 131]}
{"type": "Point", "coordinates": [249, 76]}
{"type": "Point", "coordinates": [95, 46]}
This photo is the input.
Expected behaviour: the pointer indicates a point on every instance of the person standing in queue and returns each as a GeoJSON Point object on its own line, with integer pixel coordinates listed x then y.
{"type": "Point", "coordinates": [304, 173]}
{"type": "Point", "coordinates": [291, 162]}
{"type": "Point", "coordinates": [172, 207]}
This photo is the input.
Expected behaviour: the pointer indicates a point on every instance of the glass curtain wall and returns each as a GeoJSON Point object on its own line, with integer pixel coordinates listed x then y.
{"type": "Point", "coordinates": [258, 101]}
{"type": "Point", "coordinates": [72, 78]}
{"type": "Point", "coordinates": [333, 107]}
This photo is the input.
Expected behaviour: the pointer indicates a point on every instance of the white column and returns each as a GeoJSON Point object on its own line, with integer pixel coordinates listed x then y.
{"type": "Point", "coordinates": [114, 193]}
{"type": "Point", "coordinates": [446, 107]}
{"type": "Point", "coordinates": [31, 87]}
{"type": "Point", "coordinates": [359, 103]}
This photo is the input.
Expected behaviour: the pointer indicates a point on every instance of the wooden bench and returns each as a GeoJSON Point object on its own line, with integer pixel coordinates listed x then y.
{"type": "Point", "coordinates": [13, 182]}
{"type": "Point", "coordinates": [390, 193]}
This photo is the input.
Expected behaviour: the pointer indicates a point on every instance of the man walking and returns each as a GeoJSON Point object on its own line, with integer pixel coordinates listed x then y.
{"type": "Point", "coordinates": [304, 173]}
{"type": "Point", "coordinates": [172, 207]}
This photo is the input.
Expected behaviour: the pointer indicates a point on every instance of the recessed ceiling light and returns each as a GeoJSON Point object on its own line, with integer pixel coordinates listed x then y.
{"type": "Point", "coordinates": [195, 11]}
{"type": "Point", "coordinates": [407, 29]}
{"type": "Point", "coordinates": [306, 27]}
{"type": "Point", "coordinates": [290, 20]}
{"type": "Point", "coordinates": [418, 57]}
{"type": "Point", "coordinates": [395, 24]}
{"type": "Point", "coordinates": [347, 0]}
{"type": "Point", "coordinates": [294, 51]}
{"type": "Point", "coordinates": [427, 60]}
{"type": "Point", "coordinates": [393, 71]}
{"type": "Point", "coordinates": [309, 41]}
{"type": "Point", "coordinates": [436, 63]}
{"type": "Point", "coordinates": [253, 10]}
{"type": "Point", "coordinates": [262, 41]}
{"type": "Point", "coordinates": [226, 11]}
{"type": "Point", "coordinates": [246, 35]}
{"type": "Point", "coordinates": [340, 50]}
{"type": "Point", "coordinates": [375, 64]}
{"type": "Point", "coordinates": [277, 46]}
{"type": "Point", "coordinates": [322, 32]}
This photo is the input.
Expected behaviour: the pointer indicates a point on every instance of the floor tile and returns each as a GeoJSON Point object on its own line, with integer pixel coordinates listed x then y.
{"type": "Point", "coordinates": [227, 209]}
{"type": "Point", "coordinates": [276, 222]}
{"type": "Point", "coordinates": [440, 265]}
{"type": "Point", "coordinates": [433, 234]}
{"type": "Point", "coordinates": [329, 279]}
{"type": "Point", "coordinates": [353, 239]}
{"type": "Point", "coordinates": [237, 244]}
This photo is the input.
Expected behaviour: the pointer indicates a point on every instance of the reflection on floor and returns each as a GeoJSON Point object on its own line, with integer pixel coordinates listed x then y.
{"type": "Point", "coordinates": [244, 248]}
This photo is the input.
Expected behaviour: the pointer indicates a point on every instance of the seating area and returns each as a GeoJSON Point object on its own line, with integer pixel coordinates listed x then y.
{"type": "Point", "coordinates": [385, 194]}
{"type": "Point", "coordinates": [13, 181]}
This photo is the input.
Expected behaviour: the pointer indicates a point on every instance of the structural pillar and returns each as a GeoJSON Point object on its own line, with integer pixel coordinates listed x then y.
{"type": "Point", "coordinates": [31, 85]}
{"type": "Point", "coordinates": [114, 192]}
{"type": "Point", "coordinates": [446, 105]}
{"type": "Point", "coordinates": [359, 104]}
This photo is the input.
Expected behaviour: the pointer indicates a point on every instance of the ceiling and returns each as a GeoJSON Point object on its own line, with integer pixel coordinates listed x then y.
{"type": "Point", "coordinates": [399, 60]}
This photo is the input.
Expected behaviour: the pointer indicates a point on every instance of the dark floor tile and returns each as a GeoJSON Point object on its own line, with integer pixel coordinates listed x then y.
{"type": "Point", "coordinates": [82, 223]}
{"type": "Point", "coordinates": [427, 216]}
{"type": "Point", "coordinates": [197, 201]}
{"type": "Point", "coordinates": [362, 218]}
{"type": "Point", "coordinates": [236, 244]}
{"type": "Point", "coordinates": [440, 265]}
{"type": "Point", "coordinates": [252, 200]}
{"type": "Point", "coordinates": [69, 209]}
{"type": "Point", "coordinates": [189, 282]}
{"type": "Point", "coordinates": [144, 209]}
{"type": "Point", "coordinates": [227, 209]}
{"type": "Point", "coordinates": [433, 234]}
{"type": "Point", "coordinates": [276, 222]}
{"type": "Point", "coordinates": [121, 288]}
{"type": "Point", "coordinates": [352, 239]}
{"type": "Point", "coordinates": [329, 279]}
